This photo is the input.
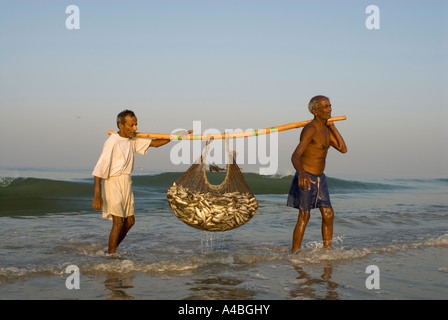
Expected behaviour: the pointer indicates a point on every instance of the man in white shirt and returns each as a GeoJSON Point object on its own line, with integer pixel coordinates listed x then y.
{"type": "Point", "coordinates": [113, 191]}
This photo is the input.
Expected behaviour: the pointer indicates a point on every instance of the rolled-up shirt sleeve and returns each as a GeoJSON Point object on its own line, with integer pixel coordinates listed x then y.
{"type": "Point", "coordinates": [142, 145]}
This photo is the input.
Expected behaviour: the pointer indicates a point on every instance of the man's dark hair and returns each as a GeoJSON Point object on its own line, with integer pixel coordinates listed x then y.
{"type": "Point", "coordinates": [121, 118]}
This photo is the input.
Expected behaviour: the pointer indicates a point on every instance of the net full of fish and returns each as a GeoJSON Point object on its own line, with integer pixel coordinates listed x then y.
{"type": "Point", "coordinates": [211, 211]}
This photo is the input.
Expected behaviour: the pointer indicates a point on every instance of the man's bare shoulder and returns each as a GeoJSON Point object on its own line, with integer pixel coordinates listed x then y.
{"type": "Point", "coordinates": [309, 126]}
{"type": "Point", "coordinates": [308, 131]}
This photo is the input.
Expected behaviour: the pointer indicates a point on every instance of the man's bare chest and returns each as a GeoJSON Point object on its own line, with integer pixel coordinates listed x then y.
{"type": "Point", "coordinates": [321, 140]}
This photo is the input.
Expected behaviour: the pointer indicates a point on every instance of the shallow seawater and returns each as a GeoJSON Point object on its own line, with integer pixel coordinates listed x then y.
{"type": "Point", "coordinates": [400, 226]}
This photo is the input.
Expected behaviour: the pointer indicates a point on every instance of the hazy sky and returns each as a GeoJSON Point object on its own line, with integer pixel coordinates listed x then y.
{"type": "Point", "coordinates": [229, 64]}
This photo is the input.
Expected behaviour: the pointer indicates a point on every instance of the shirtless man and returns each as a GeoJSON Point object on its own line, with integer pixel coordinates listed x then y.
{"type": "Point", "coordinates": [309, 187]}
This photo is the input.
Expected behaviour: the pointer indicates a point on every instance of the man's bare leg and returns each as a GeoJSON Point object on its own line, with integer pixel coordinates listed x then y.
{"type": "Point", "coordinates": [128, 223]}
{"type": "Point", "coordinates": [299, 230]}
{"type": "Point", "coordinates": [117, 225]}
{"type": "Point", "coordinates": [120, 229]}
{"type": "Point", "coordinates": [327, 226]}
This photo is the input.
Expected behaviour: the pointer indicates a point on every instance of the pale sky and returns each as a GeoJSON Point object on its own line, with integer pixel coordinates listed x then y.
{"type": "Point", "coordinates": [229, 64]}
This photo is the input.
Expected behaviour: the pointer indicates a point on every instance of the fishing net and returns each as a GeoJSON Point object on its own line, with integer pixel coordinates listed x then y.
{"type": "Point", "coordinates": [209, 207]}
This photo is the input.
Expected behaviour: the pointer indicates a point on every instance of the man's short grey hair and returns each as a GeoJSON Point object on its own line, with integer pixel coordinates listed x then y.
{"type": "Point", "coordinates": [121, 118]}
{"type": "Point", "coordinates": [315, 102]}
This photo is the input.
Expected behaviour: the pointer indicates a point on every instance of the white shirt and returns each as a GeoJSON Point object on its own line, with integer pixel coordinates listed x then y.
{"type": "Point", "coordinates": [117, 156]}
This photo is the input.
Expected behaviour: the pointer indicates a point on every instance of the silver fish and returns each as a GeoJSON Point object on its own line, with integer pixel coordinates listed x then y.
{"type": "Point", "coordinates": [209, 211]}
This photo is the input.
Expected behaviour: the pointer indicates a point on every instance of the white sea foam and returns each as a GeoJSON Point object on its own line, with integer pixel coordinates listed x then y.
{"type": "Point", "coordinates": [313, 253]}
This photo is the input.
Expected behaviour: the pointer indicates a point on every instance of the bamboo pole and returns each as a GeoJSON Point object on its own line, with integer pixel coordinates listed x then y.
{"type": "Point", "coordinates": [232, 135]}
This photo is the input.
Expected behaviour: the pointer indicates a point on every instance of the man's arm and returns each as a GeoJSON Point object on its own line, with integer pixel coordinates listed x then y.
{"type": "Point", "coordinates": [155, 143]}
{"type": "Point", "coordinates": [97, 202]}
{"type": "Point", "coordinates": [160, 142]}
{"type": "Point", "coordinates": [336, 139]}
{"type": "Point", "coordinates": [305, 139]}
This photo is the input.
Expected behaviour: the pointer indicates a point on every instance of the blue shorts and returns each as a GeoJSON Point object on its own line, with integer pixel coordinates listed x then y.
{"type": "Point", "coordinates": [317, 197]}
